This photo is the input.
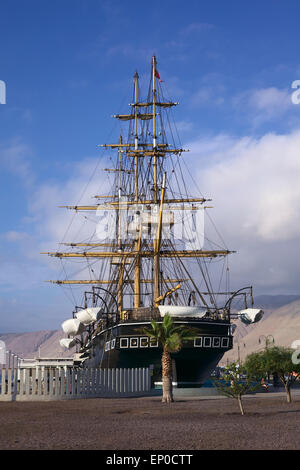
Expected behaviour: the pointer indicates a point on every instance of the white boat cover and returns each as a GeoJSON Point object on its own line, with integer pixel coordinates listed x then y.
{"type": "Point", "coordinates": [67, 342]}
{"type": "Point", "coordinates": [73, 327]}
{"type": "Point", "coordinates": [250, 315]}
{"type": "Point", "coordinates": [182, 311]}
{"type": "Point", "coordinates": [88, 315]}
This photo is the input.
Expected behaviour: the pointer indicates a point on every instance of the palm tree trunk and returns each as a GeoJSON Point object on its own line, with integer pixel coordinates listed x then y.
{"type": "Point", "coordinates": [167, 385]}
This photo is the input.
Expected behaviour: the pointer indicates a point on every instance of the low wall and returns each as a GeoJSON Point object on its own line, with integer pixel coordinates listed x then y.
{"type": "Point", "coordinates": [60, 383]}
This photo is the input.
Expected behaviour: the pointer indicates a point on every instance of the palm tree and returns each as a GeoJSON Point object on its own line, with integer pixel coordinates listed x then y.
{"type": "Point", "coordinates": [170, 337]}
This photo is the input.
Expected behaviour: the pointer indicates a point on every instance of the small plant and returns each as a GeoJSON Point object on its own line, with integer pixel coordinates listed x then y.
{"type": "Point", "coordinates": [236, 382]}
{"type": "Point", "coordinates": [275, 360]}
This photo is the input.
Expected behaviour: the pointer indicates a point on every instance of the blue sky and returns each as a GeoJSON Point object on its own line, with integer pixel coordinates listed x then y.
{"type": "Point", "coordinates": [68, 66]}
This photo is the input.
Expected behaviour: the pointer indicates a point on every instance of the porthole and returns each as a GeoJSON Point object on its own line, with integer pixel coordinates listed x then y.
{"type": "Point", "coordinates": [144, 342]}
{"type": "Point", "coordinates": [123, 342]}
{"type": "Point", "coordinates": [107, 346]}
{"type": "Point", "coordinates": [216, 342]}
{"type": "Point", "coordinates": [153, 343]}
{"type": "Point", "coordinates": [113, 344]}
{"type": "Point", "coordinates": [134, 342]}
{"type": "Point", "coordinates": [207, 342]}
{"type": "Point", "coordinates": [225, 342]}
{"type": "Point", "coordinates": [198, 342]}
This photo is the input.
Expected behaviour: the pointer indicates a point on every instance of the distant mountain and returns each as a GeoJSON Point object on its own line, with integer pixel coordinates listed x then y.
{"type": "Point", "coordinates": [281, 324]}
{"type": "Point", "coordinates": [36, 344]}
{"type": "Point", "coordinates": [275, 301]}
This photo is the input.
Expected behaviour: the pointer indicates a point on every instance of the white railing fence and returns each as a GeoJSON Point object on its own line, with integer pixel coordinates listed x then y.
{"type": "Point", "coordinates": [61, 383]}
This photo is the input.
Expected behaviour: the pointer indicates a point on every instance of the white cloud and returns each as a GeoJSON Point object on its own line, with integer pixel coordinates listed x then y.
{"type": "Point", "coordinates": [56, 224]}
{"type": "Point", "coordinates": [270, 99]}
{"type": "Point", "coordinates": [256, 195]}
{"type": "Point", "coordinates": [16, 158]}
{"type": "Point", "coordinates": [265, 103]}
{"type": "Point", "coordinates": [14, 236]}
{"type": "Point", "coordinates": [208, 95]}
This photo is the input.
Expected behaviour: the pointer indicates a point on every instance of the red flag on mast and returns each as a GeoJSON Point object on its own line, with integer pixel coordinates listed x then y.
{"type": "Point", "coordinates": [157, 76]}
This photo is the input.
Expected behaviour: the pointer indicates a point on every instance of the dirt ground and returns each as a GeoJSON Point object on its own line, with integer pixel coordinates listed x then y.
{"type": "Point", "coordinates": [145, 423]}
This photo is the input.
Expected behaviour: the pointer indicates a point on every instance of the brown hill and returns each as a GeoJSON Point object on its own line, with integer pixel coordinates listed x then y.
{"type": "Point", "coordinates": [36, 344]}
{"type": "Point", "coordinates": [282, 324]}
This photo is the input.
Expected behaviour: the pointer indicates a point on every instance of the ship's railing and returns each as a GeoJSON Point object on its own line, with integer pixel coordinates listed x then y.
{"type": "Point", "coordinates": [60, 383]}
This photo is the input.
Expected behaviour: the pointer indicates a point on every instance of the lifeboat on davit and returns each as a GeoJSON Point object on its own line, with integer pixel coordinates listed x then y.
{"type": "Point", "coordinates": [182, 311]}
{"type": "Point", "coordinates": [250, 315]}
{"type": "Point", "coordinates": [88, 315]}
{"type": "Point", "coordinates": [73, 327]}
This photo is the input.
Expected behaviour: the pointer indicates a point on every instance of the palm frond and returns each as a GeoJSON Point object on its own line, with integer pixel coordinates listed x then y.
{"type": "Point", "coordinates": [167, 325]}
{"type": "Point", "coordinates": [173, 343]}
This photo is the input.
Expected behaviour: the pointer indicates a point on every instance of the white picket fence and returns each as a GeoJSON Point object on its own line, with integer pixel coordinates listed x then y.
{"type": "Point", "coordinates": [60, 383]}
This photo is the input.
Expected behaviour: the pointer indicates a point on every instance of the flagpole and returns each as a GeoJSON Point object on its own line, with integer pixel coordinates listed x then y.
{"type": "Point", "coordinates": [154, 129]}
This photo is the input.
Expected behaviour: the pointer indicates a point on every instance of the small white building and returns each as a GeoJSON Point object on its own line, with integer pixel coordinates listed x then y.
{"type": "Point", "coordinates": [51, 361]}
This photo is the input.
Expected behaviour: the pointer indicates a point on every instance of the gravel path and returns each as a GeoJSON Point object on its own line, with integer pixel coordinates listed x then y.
{"type": "Point", "coordinates": [146, 423]}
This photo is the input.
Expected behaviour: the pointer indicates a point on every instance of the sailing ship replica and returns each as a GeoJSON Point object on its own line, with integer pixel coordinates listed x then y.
{"type": "Point", "coordinates": [149, 257]}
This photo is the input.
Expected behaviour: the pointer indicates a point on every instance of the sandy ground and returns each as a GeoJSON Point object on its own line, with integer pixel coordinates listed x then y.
{"type": "Point", "coordinates": [146, 423]}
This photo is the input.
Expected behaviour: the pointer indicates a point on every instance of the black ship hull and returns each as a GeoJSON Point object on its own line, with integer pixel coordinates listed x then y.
{"type": "Point", "coordinates": [125, 345]}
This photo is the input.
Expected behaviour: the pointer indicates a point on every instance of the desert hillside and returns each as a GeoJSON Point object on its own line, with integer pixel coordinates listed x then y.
{"type": "Point", "coordinates": [37, 343]}
{"type": "Point", "coordinates": [283, 324]}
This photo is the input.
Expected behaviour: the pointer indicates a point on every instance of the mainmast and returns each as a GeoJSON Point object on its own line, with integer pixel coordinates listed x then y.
{"type": "Point", "coordinates": [154, 131]}
{"type": "Point", "coordinates": [156, 266]}
{"type": "Point", "coordinates": [137, 245]}
{"type": "Point", "coordinates": [136, 142]}
{"type": "Point", "coordinates": [121, 263]}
